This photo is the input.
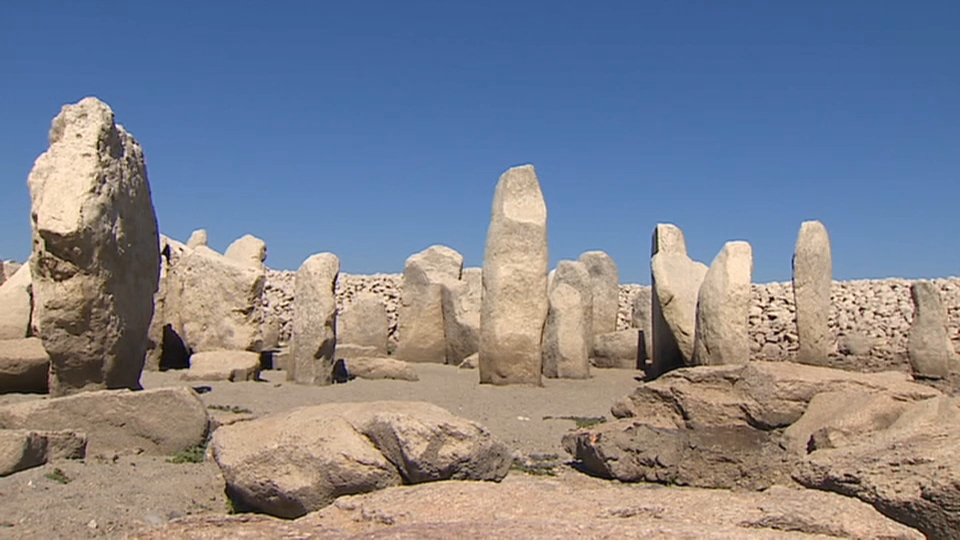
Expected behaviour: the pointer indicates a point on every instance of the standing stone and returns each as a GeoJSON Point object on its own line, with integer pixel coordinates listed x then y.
{"type": "Point", "coordinates": [568, 333]}
{"type": "Point", "coordinates": [643, 319]}
{"type": "Point", "coordinates": [16, 305]}
{"type": "Point", "coordinates": [667, 238]}
{"type": "Point", "coordinates": [363, 322]}
{"type": "Point", "coordinates": [166, 311]}
{"type": "Point", "coordinates": [515, 264]}
{"type": "Point", "coordinates": [96, 260]}
{"type": "Point", "coordinates": [197, 238]}
{"type": "Point", "coordinates": [723, 308]}
{"type": "Point", "coordinates": [247, 249]}
{"type": "Point", "coordinates": [928, 344]}
{"type": "Point", "coordinates": [421, 303]}
{"type": "Point", "coordinates": [606, 290]}
{"type": "Point", "coordinates": [461, 315]}
{"type": "Point", "coordinates": [812, 278]}
{"type": "Point", "coordinates": [315, 320]}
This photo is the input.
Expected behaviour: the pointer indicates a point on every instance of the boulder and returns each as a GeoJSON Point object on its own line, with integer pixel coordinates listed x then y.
{"type": "Point", "coordinates": [24, 366]}
{"type": "Point", "coordinates": [421, 303]}
{"type": "Point", "coordinates": [96, 261]}
{"type": "Point", "coordinates": [723, 307]}
{"type": "Point", "coordinates": [233, 366]}
{"type": "Point", "coordinates": [16, 305]}
{"type": "Point", "coordinates": [368, 367]}
{"type": "Point", "coordinates": [314, 337]}
{"type": "Point", "coordinates": [313, 455]}
{"type": "Point", "coordinates": [834, 418]}
{"type": "Point", "coordinates": [568, 332]}
{"type": "Point", "coordinates": [162, 421]}
{"type": "Point", "coordinates": [606, 290]}
{"type": "Point", "coordinates": [617, 350]}
{"type": "Point", "coordinates": [248, 250]}
{"type": "Point", "coordinates": [515, 264]}
{"type": "Point", "coordinates": [854, 344]}
{"type": "Point", "coordinates": [22, 449]}
{"type": "Point", "coordinates": [363, 322]}
{"type": "Point", "coordinates": [812, 278]}
{"type": "Point", "coordinates": [197, 238]}
{"type": "Point", "coordinates": [461, 314]}
{"type": "Point", "coordinates": [928, 344]}
{"type": "Point", "coordinates": [219, 303]}
{"type": "Point", "coordinates": [642, 319]}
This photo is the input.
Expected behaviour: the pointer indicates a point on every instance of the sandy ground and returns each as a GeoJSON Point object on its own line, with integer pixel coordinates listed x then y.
{"type": "Point", "coordinates": [110, 496]}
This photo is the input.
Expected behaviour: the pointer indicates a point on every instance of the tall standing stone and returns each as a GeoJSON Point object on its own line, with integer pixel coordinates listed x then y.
{"type": "Point", "coordinates": [643, 319]}
{"type": "Point", "coordinates": [96, 257]}
{"type": "Point", "coordinates": [247, 249]}
{"type": "Point", "coordinates": [676, 282]}
{"type": "Point", "coordinates": [515, 264]}
{"type": "Point", "coordinates": [197, 238]}
{"type": "Point", "coordinates": [461, 315]}
{"type": "Point", "coordinates": [606, 290]}
{"type": "Point", "coordinates": [723, 308]}
{"type": "Point", "coordinates": [929, 347]}
{"type": "Point", "coordinates": [568, 333]}
{"type": "Point", "coordinates": [812, 278]}
{"type": "Point", "coordinates": [421, 304]}
{"type": "Point", "coordinates": [166, 326]}
{"type": "Point", "coordinates": [363, 322]}
{"type": "Point", "coordinates": [315, 320]}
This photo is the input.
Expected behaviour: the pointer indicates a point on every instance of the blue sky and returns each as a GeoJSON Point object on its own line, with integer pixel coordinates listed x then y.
{"type": "Point", "coordinates": [375, 129]}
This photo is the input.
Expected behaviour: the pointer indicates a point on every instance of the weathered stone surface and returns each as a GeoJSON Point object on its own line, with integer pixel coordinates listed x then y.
{"type": "Point", "coordinates": [24, 449]}
{"type": "Point", "coordinates": [812, 277]}
{"type": "Point", "coordinates": [667, 238]}
{"type": "Point", "coordinates": [315, 454]}
{"type": "Point", "coordinates": [315, 320]}
{"type": "Point", "coordinates": [461, 315]}
{"type": "Point", "coordinates": [368, 367]}
{"type": "Point", "coordinates": [617, 350]}
{"type": "Point", "coordinates": [15, 305]}
{"type": "Point", "coordinates": [348, 351]}
{"type": "Point", "coordinates": [723, 306]}
{"type": "Point", "coordinates": [642, 319]}
{"type": "Point", "coordinates": [910, 471]}
{"type": "Point", "coordinates": [834, 418]}
{"type": "Point", "coordinates": [219, 304]}
{"type": "Point", "coordinates": [165, 346]}
{"type": "Point", "coordinates": [515, 265]}
{"type": "Point", "coordinates": [118, 420]}
{"type": "Point", "coordinates": [470, 362]}
{"type": "Point", "coordinates": [606, 290]}
{"type": "Point", "coordinates": [197, 238]}
{"type": "Point", "coordinates": [568, 332]}
{"type": "Point", "coordinates": [677, 280]}
{"type": "Point", "coordinates": [248, 250]}
{"type": "Point", "coordinates": [233, 366]}
{"type": "Point", "coordinates": [421, 303]}
{"type": "Point", "coordinates": [363, 322]}
{"type": "Point", "coordinates": [765, 395]}
{"type": "Point", "coordinates": [928, 345]}
{"type": "Point", "coordinates": [24, 365]}
{"type": "Point", "coordinates": [95, 261]}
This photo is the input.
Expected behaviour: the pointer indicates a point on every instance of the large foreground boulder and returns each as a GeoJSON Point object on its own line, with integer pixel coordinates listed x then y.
{"type": "Point", "coordinates": [299, 461]}
{"type": "Point", "coordinates": [812, 279]}
{"type": "Point", "coordinates": [22, 449]}
{"type": "Point", "coordinates": [16, 304]}
{"type": "Point", "coordinates": [161, 421]}
{"type": "Point", "coordinates": [421, 303]}
{"type": "Point", "coordinates": [24, 365]}
{"type": "Point", "coordinates": [96, 260]}
{"type": "Point", "coordinates": [515, 265]}
{"type": "Point", "coordinates": [315, 320]}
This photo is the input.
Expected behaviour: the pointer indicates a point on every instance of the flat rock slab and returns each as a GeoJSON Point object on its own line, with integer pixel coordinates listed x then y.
{"type": "Point", "coordinates": [22, 449]}
{"type": "Point", "coordinates": [568, 506]}
{"type": "Point", "coordinates": [162, 421]}
{"type": "Point", "coordinates": [233, 366]}
{"type": "Point", "coordinates": [366, 367]}
{"type": "Point", "coordinates": [24, 366]}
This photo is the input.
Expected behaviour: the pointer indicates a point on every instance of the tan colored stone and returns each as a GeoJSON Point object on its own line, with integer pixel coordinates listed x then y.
{"type": "Point", "coordinates": [642, 318]}
{"type": "Point", "coordinates": [24, 365]}
{"type": "Point", "coordinates": [248, 250]}
{"type": "Point", "coordinates": [617, 350]}
{"type": "Point", "coordinates": [363, 322]}
{"type": "Point", "coordinates": [812, 278]}
{"type": "Point", "coordinates": [233, 366]}
{"type": "Point", "coordinates": [315, 320]}
{"type": "Point", "coordinates": [16, 305]}
{"type": "Point", "coordinates": [667, 239]}
{"type": "Point", "coordinates": [197, 238]}
{"type": "Point", "coordinates": [606, 290]}
{"type": "Point", "coordinates": [568, 332]}
{"type": "Point", "coordinates": [677, 280]}
{"type": "Point", "coordinates": [374, 368]}
{"type": "Point", "coordinates": [723, 306]}
{"type": "Point", "coordinates": [929, 347]}
{"type": "Point", "coordinates": [421, 321]}
{"type": "Point", "coordinates": [24, 449]}
{"type": "Point", "coordinates": [461, 315]}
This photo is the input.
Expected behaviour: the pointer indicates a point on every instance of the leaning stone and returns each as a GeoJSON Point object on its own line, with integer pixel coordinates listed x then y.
{"type": "Point", "coordinates": [363, 322]}
{"type": "Point", "coordinates": [16, 305]}
{"type": "Point", "coordinates": [24, 365]}
{"type": "Point", "coordinates": [515, 265]}
{"type": "Point", "coordinates": [373, 368]}
{"type": "Point", "coordinates": [606, 290]}
{"type": "Point", "coordinates": [461, 315]}
{"type": "Point", "coordinates": [247, 249]}
{"type": "Point", "coordinates": [723, 307]}
{"type": "Point", "coordinates": [233, 366]}
{"type": "Point", "coordinates": [677, 280]}
{"type": "Point", "coordinates": [928, 344]}
{"type": "Point", "coordinates": [22, 449]}
{"type": "Point", "coordinates": [161, 421]}
{"type": "Point", "coordinates": [568, 332]}
{"type": "Point", "coordinates": [315, 320]}
{"type": "Point", "coordinates": [197, 238]}
{"type": "Point", "coordinates": [812, 278]}
{"type": "Point", "coordinates": [421, 303]}
{"type": "Point", "coordinates": [617, 350]}
{"type": "Point", "coordinates": [96, 259]}
{"type": "Point", "coordinates": [667, 239]}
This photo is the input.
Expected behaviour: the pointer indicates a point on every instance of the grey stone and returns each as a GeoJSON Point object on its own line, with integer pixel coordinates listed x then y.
{"type": "Point", "coordinates": [461, 315]}
{"type": "Point", "coordinates": [233, 366]}
{"type": "Point", "coordinates": [247, 249]}
{"type": "Point", "coordinates": [16, 305]}
{"type": "Point", "coordinates": [677, 280]}
{"type": "Point", "coordinates": [197, 238]}
{"type": "Point", "coordinates": [642, 318]}
{"type": "Point", "coordinates": [421, 303]}
{"type": "Point", "coordinates": [723, 306]}
{"type": "Point", "coordinates": [24, 365]}
{"type": "Point", "coordinates": [363, 322]}
{"type": "Point", "coordinates": [928, 345]}
{"type": "Point", "coordinates": [606, 290]}
{"type": "Point", "coordinates": [568, 332]}
{"type": "Point", "coordinates": [315, 320]}
{"type": "Point", "coordinates": [617, 349]}
{"type": "Point", "coordinates": [667, 238]}
{"type": "Point", "coordinates": [812, 278]}
{"type": "Point", "coordinates": [22, 449]}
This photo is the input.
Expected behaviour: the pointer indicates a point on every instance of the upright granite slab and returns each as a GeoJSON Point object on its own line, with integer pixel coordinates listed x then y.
{"type": "Point", "coordinates": [667, 238]}
{"type": "Point", "coordinates": [568, 333]}
{"type": "Point", "coordinates": [461, 315]}
{"type": "Point", "coordinates": [812, 278]}
{"type": "Point", "coordinates": [363, 322]}
{"type": "Point", "coordinates": [16, 304]}
{"type": "Point", "coordinates": [605, 278]}
{"type": "Point", "coordinates": [723, 308]}
{"type": "Point", "coordinates": [676, 280]}
{"type": "Point", "coordinates": [929, 347]}
{"type": "Point", "coordinates": [421, 303]}
{"type": "Point", "coordinates": [315, 320]}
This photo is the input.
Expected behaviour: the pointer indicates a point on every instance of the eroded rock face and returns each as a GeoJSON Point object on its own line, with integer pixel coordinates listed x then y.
{"type": "Point", "coordinates": [363, 322]}
{"type": "Point", "coordinates": [16, 304]}
{"type": "Point", "coordinates": [95, 262]}
{"type": "Point", "coordinates": [723, 308]}
{"type": "Point", "coordinates": [515, 265]}
{"type": "Point", "coordinates": [315, 320]}
{"type": "Point", "coordinates": [606, 290]}
{"type": "Point", "coordinates": [461, 315]}
{"type": "Point", "coordinates": [421, 308]}
{"type": "Point", "coordinates": [812, 277]}
{"type": "Point", "coordinates": [568, 333]}
{"type": "Point", "coordinates": [248, 250]}
{"type": "Point", "coordinates": [928, 345]}
{"type": "Point", "coordinates": [315, 454]}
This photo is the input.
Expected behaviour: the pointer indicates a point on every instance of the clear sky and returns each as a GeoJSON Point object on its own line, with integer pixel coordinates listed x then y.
{"type": "Point", "coordinates": [373, 129]}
